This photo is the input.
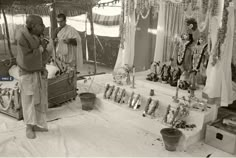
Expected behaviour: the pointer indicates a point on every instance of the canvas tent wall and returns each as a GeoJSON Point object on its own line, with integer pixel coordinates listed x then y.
{"type": "Point", "coordinates": [51, 7]}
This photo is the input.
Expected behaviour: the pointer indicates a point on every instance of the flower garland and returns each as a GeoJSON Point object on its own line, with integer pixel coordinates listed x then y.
{"type": "Point", "coordinates": [181, 52]}
{"type": "Point", "coordinates": [186, 4]}
{"type": "Point", "coordinates": [197, 56]}
{"type": "Point", "coordinates": [221, 35]}
{"type": "Point", "coordinates": [204, 7]}
{"type": "Point", "coordinates": [143, 5]}
{"type": "Point", "coordinates": [194, 5]}
{"type": "Point", "coordinates": [215, 7]}
{"type": "Point", "coordinates": [145, 17]}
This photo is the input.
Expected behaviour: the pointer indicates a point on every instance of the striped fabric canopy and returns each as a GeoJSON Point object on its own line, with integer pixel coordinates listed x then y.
{"type": "Point", "coordinates": [42, 7]}
{"type": "Point", "coordinates": [106, 20]}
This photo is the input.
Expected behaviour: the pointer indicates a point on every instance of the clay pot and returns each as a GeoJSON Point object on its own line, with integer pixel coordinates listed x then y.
{"type": "Point", "coordinates": [87, 100]}
{"type": "Point", "coordinates": [171, 137]}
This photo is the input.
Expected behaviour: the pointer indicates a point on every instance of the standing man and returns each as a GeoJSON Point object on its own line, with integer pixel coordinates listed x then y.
{"type": "Point", "coordinates": [69, 47]}
{"type": "Point", "coordinates": [31, 59]}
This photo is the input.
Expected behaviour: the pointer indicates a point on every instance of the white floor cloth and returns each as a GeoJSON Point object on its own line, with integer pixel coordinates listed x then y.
{"type": "Point", "coordinates": [107, 131]}
{"type": "Point", "coordinates": [101, 132]}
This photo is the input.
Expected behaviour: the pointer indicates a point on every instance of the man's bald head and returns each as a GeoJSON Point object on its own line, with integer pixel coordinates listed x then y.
{"type": "Point", "coordinates": [35, 24]}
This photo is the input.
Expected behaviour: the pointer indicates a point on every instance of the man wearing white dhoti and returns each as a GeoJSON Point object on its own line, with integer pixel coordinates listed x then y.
{"type": "Point", "coordinates": [31, 59]}
{"type": "Point", "coordinates": [69, 47]}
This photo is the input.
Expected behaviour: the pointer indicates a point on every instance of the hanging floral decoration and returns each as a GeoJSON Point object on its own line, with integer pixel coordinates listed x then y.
{"type": "Point", "coordinates": [142, 7]}
{"type": "Point", "coordinates": [129, 7]}
{"type": "Point", "coordinates": [204, 6]}
{"type": "Point", "coordinates": [215, 7]}
{"type": "Point", "coordinates": [221, 35]}
{"type": "Point", "coordinates": [194, 5]}
{"type": "Point", "coordinates": [186, 4]}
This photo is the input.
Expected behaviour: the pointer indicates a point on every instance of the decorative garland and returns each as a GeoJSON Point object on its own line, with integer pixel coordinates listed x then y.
{"type": "Point", "coordinates": [215, 7]}
{"type": "Point", "coordinates": [197, 56]}
{"type": "Point", "coordinates": [141, 6]}
{"type": "Point", "coordinates": [137, 20]}
{"type": "Point", "coordinates": [107, 3]}
{"type": "Point", "coordinates": [145, 17]}
{"type": "Point", "coordinates": [221, 35]}
{"type": "Point", "coordinates": [194, 5]}
{"type": "Point", "coordinates": [205, 4]}
{"type": "Point", "coordinates": [186, 4]}
{"type": "Point", "coordinates": [202, 26]}
{"type": "Point", "coordinates": [181, 52]}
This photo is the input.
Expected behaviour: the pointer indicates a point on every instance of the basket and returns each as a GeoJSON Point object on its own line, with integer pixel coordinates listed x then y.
{"type": "Point", "coordinates": [62, 89]}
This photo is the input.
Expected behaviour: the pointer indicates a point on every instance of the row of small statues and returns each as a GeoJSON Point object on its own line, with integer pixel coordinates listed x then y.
{"type": "Point", "coordinates": [189, 59]}
{"type": "Point", "coordinates": [164, 73]}
{"type": "Point", "coordinates": [119, 95]}
{"type": "Point", "coordinates": [168, 74]}
{"type": "Point", "coordinates": [133, 100]}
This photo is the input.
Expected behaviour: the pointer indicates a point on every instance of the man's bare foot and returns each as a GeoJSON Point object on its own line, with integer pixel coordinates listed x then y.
{"type": "Point", "coordinates": [29, 132]}
{"type": "Point", "coordinates": [39, 129]}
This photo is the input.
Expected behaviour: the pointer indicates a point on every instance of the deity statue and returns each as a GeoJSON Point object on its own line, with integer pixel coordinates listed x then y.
{"type": "Point", "coordinates": [184, 52]}
{"type": "Point", "coordinates": [165, 73]}
{"type": "Point", "coordinates": [175, 73]}
{"type": "Point", "coordinates": [154, 72]}
{"type": "Point", "coordinates": [199, 61]}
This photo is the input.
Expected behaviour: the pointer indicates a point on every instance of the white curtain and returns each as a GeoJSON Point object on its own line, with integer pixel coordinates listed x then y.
{"type": "Point", "coordinates": [170, 24]}
{"type": "Point", "coordinates": [159, 49]}
{"type": "Point", "coordinates": [126, 54]}
{"type": "Point", "coordinates": [234, 45]}
{"type": "Point", "coordinates": [219, 77]}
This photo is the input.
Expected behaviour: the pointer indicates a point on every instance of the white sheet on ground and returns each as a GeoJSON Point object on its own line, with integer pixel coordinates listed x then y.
{"type": "Point", "coordinates": [104, 131]}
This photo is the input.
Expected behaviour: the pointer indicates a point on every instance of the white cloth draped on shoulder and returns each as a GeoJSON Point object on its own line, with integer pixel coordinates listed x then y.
{"type": "Point", "coordinates": [68, 52]}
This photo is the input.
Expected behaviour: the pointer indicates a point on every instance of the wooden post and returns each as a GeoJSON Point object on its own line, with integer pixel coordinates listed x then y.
{"type": "Point", "coordinates": [53, 18]}
{"type": "Point", "coordinates": [7, 33]}
{"type": "Point", "coordinates": [53, 26]}
{"type": "Point", "coordinates": [94, 42]}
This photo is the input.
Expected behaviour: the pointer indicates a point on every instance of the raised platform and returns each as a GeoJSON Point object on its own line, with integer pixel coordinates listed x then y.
{"type": "Point", "coordinates": [199, 118]}
{"type": "Point", "coordinates": [163, 93]}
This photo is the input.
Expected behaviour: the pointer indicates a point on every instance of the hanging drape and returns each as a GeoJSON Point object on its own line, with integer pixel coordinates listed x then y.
{"type": "Point", "coordinates": [126, 53]}
{"type": "Point", "coordinates": [170, 25]}
{"type": "Point", "coordinates": [219, 77]}
{"type": "Point", "coordinates": [234, 45]}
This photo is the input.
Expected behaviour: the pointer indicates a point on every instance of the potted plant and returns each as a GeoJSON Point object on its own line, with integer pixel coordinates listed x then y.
{"type": "Point", "coordinates": [171, 135]}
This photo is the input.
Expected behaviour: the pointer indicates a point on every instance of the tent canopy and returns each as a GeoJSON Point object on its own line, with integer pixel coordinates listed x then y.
{"type": "Point", "coordinates": [42, 7]}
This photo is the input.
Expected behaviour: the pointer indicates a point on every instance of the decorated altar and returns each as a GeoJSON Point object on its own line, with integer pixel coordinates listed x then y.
{"type": "Point", "coordinates": [196, 121]}
{"type": "Point", "coordinates": [193, 57]}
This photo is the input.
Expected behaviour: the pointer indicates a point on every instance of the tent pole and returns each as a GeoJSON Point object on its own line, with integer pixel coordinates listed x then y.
{"type": "Point", "coordinates": [53, 18]}
{"type": "Point", "coordinates": [53, 27]}
{"type": "Point", "coordinates": [7, 33]}
{"type": "Point", "coordinates": [94, 43]}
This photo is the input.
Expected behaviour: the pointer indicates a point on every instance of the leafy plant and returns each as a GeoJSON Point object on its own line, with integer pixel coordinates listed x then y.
{"type": "Point", "coordinates": [175, 116]}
